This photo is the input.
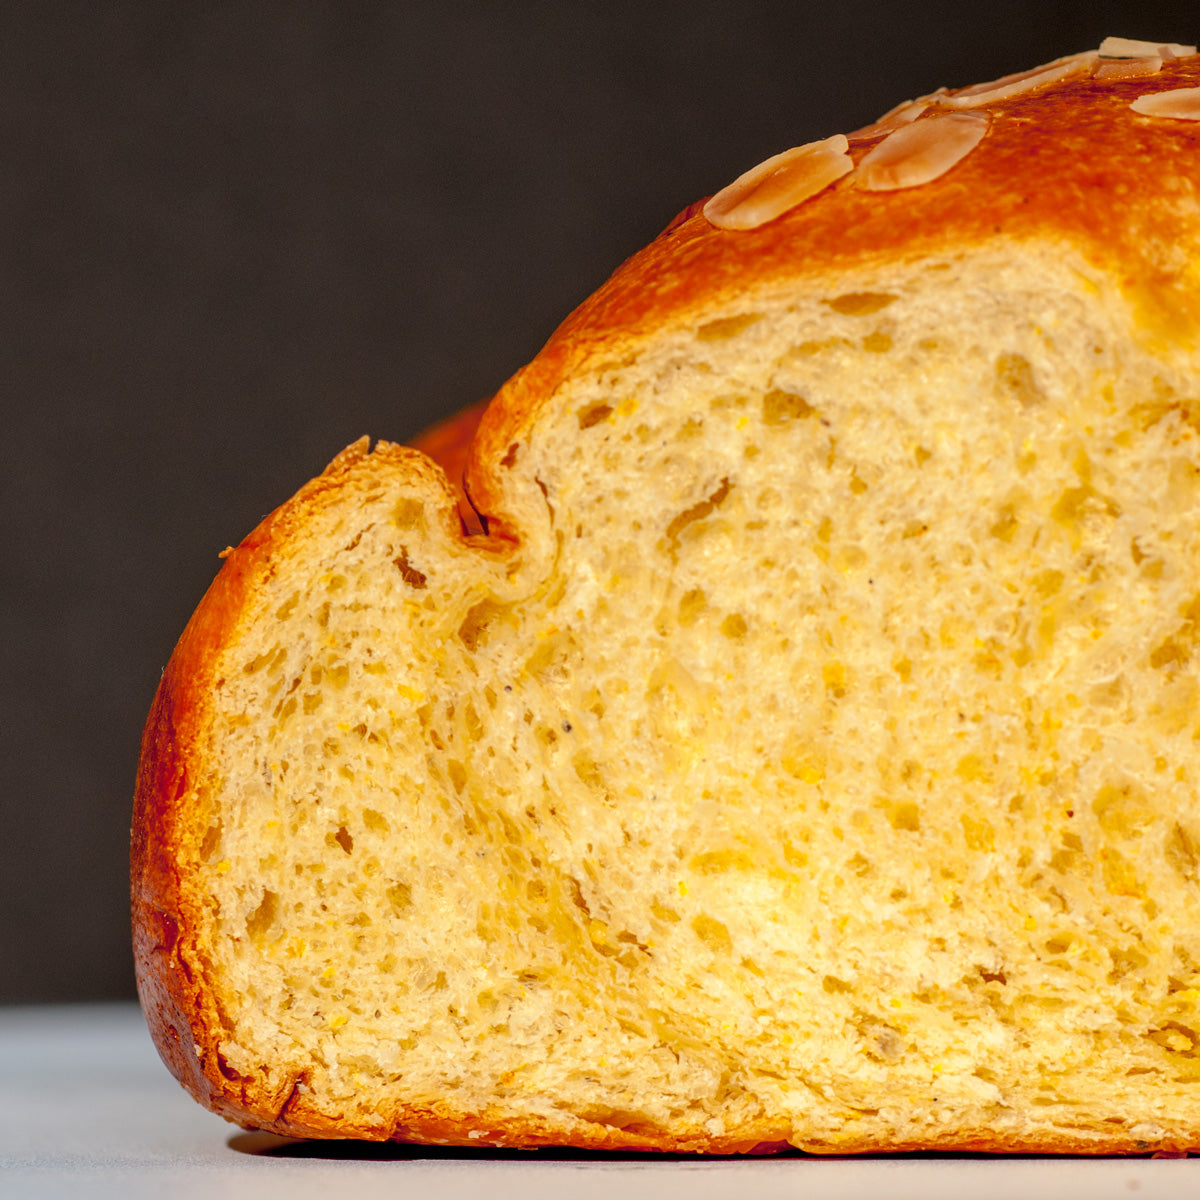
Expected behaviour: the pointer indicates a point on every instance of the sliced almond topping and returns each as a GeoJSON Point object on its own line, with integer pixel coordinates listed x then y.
{"type": "Point", "coordinates": [1022, 82]}
{"type": "Point", "coordinates": [780, 183]}
{"type": "Point", "coordinates": [1182, 104]}
{"type": "Point", "coordinates": [1115, 47]}
{"type": "Point", "coordinates": [922, 151]}
{"type": "Point", "coordinates": [1114, 69]}
{"type": "Point", "coordinates": [894, 118]}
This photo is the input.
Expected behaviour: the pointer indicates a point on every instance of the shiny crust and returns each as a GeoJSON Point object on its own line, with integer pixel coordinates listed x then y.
{"type": "Point", "coordinates": [1071, 163]}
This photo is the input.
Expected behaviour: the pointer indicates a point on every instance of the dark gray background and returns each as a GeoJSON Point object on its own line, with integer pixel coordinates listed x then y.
{"type": "Point", "coordinates": [236, 236]}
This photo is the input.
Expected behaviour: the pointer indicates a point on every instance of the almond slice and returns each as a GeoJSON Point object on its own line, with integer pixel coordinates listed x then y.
{"type": "Point", "coordinates": [1115, 47]}
{"type": "Point", "coordinates": [1022, 82]}
{"type": "Point", "coordinates": [1181, 104]}
{"type": "Point", "coordinates": [780, 183]}
{"type": "Point", "coordinates": [922, 151]}
{"type": "Point", "coordinates": [1114, 69]}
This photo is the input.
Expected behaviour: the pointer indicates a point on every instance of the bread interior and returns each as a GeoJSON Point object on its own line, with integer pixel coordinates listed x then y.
{"type": "Point", "coordinates": [833, 778]}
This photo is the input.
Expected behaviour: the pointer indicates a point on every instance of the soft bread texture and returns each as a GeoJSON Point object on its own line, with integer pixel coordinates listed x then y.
{"type": "Point", "coordinates": [805, 754]}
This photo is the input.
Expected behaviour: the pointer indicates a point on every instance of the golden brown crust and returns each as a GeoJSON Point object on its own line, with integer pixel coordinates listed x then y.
{"type": "Point", "coordinates": [1072, 163]}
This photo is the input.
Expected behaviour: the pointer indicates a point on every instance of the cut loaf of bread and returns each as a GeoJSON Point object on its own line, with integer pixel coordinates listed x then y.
{"type": "Point", "coordinates": [807, 753]}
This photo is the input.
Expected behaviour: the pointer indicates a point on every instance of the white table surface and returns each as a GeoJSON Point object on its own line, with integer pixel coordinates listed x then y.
{"type": "Point", "coordinates": [87, 1109]}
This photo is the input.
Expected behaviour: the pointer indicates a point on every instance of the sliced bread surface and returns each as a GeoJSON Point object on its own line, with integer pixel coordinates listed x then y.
{"type": "Point", "coordinates": [805, 754]}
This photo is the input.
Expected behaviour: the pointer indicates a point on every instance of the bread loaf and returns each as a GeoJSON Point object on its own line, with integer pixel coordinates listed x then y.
{"type": "Point", "coordinates": [804, 750]}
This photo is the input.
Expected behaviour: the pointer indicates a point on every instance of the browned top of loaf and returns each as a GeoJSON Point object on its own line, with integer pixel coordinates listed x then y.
{"type": "Point", "coordinates": [1071, 160]}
